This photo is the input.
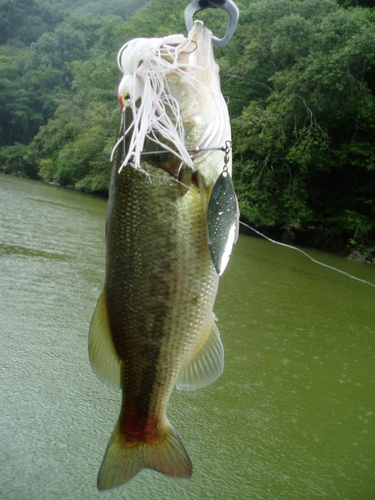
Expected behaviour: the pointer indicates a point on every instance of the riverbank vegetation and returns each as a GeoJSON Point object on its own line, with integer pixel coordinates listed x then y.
{"type": "Point", "coordinates": [298, 76]}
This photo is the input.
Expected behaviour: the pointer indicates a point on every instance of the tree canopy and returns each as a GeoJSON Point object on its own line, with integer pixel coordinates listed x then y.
{"type": "Point", "coordinates": [123, 8]}
{"type": "Point", "coordinates": [304, 141]}
{"type": "Point", "coordinates": [24, 21]}
{"type": "Point", "coordinates": [298, 76]}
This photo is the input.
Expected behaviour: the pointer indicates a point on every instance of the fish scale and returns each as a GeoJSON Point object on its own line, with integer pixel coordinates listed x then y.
{"type": "Point", "coordinates": [153, 327]}
{"type": "Point", "coordinates": [159, 291]}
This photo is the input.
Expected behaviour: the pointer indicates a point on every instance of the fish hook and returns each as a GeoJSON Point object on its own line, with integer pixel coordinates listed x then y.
{"type": "Point", "coordinates": [226, 5]}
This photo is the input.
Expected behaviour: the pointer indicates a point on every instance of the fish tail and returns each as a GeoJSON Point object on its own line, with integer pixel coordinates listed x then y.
{"type": "Point", "coordinates": [123, 460]}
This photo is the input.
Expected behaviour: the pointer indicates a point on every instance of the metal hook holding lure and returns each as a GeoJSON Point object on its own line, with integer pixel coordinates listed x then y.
{"type": "Point", "coordinates": [226, 5]}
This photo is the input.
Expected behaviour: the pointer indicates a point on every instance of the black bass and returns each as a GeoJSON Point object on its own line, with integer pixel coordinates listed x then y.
{"type": "Point", "coordinates": [154, 327]}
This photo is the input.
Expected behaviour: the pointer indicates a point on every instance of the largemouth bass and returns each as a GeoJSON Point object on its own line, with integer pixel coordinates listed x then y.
{"type": "Point", "coordinates": [154, 327]}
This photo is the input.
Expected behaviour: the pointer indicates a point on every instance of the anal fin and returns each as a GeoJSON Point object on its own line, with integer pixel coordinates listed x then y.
{"type": "Point", "coordinates": [103, 356]}
{"type": "Point", "coordinates": [206, 363]}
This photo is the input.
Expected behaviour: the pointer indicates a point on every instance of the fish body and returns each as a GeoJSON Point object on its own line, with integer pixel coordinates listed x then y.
{"type": "Point", "coordinates": [154, 327]}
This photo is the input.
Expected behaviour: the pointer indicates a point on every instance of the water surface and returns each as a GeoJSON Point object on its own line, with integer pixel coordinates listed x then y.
{"type": "Point", "coordinates": [292, 417]}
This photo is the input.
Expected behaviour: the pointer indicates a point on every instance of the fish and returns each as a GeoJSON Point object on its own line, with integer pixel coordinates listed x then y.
{"type": "Point", "coordinates": [153, 327]}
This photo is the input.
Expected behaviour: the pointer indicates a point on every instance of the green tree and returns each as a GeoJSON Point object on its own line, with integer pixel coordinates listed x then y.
{"type": "Point", "coordinates": [299, 80]}
{"type": "Point", "coordinates": [14, 160]}
{"type": "Point", "coordinates": [123, 8]}
{"type": "Point", "coordinates": [305, 154]}
{"type": "Point", "coordinates": [75, 146]}
{"type": "Point", "coordinates": [24, 21]}
{"type": "Point", "coordinates": [56, 49]}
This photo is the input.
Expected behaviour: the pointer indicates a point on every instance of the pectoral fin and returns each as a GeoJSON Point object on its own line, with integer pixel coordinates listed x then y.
{"type": "Point", "coordinates": [206, 364]}
{"type": "Point", "coordinates": [103, 356]}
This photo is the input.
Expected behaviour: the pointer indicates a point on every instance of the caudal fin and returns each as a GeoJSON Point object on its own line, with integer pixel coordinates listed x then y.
{"type": "Point", "coordinates": [123, 460]}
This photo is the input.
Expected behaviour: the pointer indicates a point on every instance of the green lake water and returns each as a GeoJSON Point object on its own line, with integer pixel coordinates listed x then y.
{"type": "Point", "coordinates": [292, 417]}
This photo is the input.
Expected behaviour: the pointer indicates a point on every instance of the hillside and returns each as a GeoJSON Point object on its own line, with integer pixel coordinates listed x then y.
{"type": "Point", "coordinates": [299, 79]}
{"type": "Point", "coordinates": [123, 8]}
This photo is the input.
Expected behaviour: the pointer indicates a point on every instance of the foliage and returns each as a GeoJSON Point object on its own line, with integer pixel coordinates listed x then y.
{"type": "Point", "coordinates": [356, 3]}
{"type": "Point", "coordinates": [24, 21]}
{"type": "Point", "coordinates": [298, 76]}
{"type": "Point", "coordinates": [123, 8]}
{"type": "Point", "coordinates": [14, 161]}
{"type": "Point", "coordinates": [304, 149]}
{"type": "Point", "coordinates": [75, 146]}
{"type": "Point", "coordinates": [54, 50]}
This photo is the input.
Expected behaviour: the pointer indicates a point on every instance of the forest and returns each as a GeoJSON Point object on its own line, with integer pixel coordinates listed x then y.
{"type": "Point", "coordinates": [298, 77]}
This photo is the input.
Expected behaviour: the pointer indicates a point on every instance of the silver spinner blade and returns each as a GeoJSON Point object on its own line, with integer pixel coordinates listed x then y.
{"type": "Point", "coordinates": [222, 221]}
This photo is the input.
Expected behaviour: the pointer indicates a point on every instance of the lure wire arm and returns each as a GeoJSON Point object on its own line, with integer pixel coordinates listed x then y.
{"type": "Point", "coordinates": [227, 5]}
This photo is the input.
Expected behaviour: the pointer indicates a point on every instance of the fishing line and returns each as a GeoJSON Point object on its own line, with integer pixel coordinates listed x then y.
{"type": "Point", "coordinates": [307, 255]}
{"type": "Point", "coordinates": [189, 188]}
{"type": "Point", "coordinates": [160, 122]}
{"type": "Point", "coordinates": [196, 150]}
